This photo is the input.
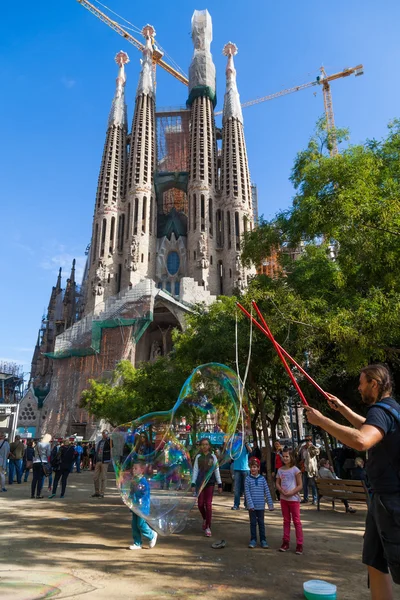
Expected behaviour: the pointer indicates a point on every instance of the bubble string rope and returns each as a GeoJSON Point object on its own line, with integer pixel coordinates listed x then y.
{"type": "Point", "coordinates": [241, 383]}
{"type": "Point", "coordinates": [281, 352]}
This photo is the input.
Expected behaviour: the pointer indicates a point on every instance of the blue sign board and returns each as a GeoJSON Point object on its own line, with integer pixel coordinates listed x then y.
{"type": "Point", "coordinates": [217, 439]}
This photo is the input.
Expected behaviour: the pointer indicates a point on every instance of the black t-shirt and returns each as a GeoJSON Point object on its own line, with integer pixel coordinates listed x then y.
{"type": "Point", "coordinates": [383, 464]}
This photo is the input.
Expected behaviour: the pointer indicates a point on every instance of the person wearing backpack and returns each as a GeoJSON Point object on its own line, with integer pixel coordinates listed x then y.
{"type": "Point", "coordinates": [61, 464]}
{"type": "Point", "coordinates": [379, 433]}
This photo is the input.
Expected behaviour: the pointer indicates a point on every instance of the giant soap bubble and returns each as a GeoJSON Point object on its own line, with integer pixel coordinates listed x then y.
{"type": "Point", "coordinates": [153, 455]}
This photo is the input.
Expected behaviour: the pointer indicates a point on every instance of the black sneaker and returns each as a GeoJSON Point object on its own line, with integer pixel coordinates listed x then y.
{"type": "Point", "coordinates": [96, 495]}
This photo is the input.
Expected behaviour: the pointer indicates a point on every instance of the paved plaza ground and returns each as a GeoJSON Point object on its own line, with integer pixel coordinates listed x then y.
{"type": "Point", "coordinates": [77, 547]}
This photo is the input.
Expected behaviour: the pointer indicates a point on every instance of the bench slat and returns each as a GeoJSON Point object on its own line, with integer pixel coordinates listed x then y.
{"type": "Point", "coordinates": [344, 496]}
{"type": "Point", "coordinates": [338, 488]}
{"type": "Point", "coordinates": [344, 482]}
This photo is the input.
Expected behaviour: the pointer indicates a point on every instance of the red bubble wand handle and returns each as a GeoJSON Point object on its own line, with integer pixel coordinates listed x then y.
{"type": "Point", "coordinates": [277, 347]}
{"type": "Point", "coordinates": [263, 330]}
{"type": "Point", "coordinates": [310, 379]}
{"type": "Point", "coordinates": [281, 352]}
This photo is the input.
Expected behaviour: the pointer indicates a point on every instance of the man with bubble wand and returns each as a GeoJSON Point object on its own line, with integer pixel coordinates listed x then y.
{"type": "Point", "coordinates": [379, 434]}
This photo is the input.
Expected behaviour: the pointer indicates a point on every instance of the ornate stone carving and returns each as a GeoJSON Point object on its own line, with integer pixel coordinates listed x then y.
{"type": "Point", "coordinates": [202, 246]}
{"type": "Point", "coordinates": [238, 265]}
{"type": "Point", "coordinates": [99, 278]}
{"type": "Point", "coordinates": [155, 351]}
{"type": "Point", "coordinates": [131, 263]}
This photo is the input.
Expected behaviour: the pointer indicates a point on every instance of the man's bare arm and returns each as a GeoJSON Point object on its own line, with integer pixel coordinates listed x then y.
{"type": "Point", "coordinates": [356, 420]}
{"type": "Point", "coordinates": [360, 439]}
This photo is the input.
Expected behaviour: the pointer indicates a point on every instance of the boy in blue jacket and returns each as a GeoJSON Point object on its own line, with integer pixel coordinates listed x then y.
{"type": "Point", "coordinates": [140, 496]}
{"type": "Point", "coordinates": [256, 492]}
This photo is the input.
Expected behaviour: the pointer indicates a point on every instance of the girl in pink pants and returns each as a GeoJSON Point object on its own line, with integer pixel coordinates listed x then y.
{"type": "Point", "coordinates": [289, 484]}
{"type": "Point", "coordinates": [205, 475]}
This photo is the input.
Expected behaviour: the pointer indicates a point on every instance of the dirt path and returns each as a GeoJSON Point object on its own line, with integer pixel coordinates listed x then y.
{"type": "Point", "coordinates": [78, 548]}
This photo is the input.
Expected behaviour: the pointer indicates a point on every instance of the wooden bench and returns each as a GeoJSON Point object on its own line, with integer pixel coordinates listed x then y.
{"type": "Point", "coordinates": [226, 478]}
{"type": "Point", "coordinates": [352, 490]}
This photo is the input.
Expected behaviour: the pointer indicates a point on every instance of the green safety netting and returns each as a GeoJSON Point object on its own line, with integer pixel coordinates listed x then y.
{"type": "Point", "coordinates": [199, 91]}
{"type": "Point", "coordinates": [131, 308]}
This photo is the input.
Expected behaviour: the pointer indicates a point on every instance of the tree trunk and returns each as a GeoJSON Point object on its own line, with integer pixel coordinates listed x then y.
{"type": "Point", "coordinates": [254, 424]}
{"type": "Point", "coordinates": [327, 447]}
{"type": "Point", "coordinates": [268, 452]}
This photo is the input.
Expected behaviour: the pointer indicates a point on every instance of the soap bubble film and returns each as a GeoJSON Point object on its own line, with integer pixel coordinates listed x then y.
{"type": "Point", "coordinates": [153, 455]}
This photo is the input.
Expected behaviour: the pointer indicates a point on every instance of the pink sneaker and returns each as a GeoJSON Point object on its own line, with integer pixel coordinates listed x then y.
{"type": "Point", "coordinates": [208, 532]}
{"type": "Point", "coordinates": [285, 547]}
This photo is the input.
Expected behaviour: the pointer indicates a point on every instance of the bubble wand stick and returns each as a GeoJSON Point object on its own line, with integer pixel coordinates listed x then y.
{"type": "Point", "coordinates": [284, 352]}
{"type": "Point", "coordinates": [268, 333]}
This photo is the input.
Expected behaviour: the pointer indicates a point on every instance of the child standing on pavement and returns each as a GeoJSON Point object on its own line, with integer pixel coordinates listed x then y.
{"type": "Point", "coordinates": [256, 492]}
{"type": "Point", "coordinates": [289, 484]}
{"type": "Point", "coordinates": [140, 495]}
{"type": "Point", "coordinates": [204, 464]}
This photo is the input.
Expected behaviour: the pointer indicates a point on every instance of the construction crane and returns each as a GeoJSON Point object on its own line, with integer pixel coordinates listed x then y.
{"type": "Point", "coordinates": [157, 54]}
{"type": "Point", "coordinates": [323, 80]}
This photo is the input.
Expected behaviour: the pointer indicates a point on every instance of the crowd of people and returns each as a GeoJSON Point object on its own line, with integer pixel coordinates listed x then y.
{"type": "Point", "coordinates": [293, 473]}
{"type": "Point", "coordinates": [50, 461]}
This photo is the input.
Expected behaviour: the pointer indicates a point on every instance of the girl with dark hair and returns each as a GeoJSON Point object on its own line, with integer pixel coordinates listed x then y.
{"type": "Point", "coordinates": [205, 463]}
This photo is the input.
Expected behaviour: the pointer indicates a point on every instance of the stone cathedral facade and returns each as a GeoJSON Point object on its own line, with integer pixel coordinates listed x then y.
{"type": "Point", "coordinates": [173, 201]}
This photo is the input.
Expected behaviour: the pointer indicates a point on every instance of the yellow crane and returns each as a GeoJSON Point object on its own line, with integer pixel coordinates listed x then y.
{"type": "Point", "coordinates": [323, 80]}
{"type": "Point", "coordinates": [157, 54]}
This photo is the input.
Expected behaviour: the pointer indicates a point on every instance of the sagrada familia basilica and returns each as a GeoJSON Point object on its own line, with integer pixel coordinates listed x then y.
{"type": "Point", "coordinates": [173, 200]}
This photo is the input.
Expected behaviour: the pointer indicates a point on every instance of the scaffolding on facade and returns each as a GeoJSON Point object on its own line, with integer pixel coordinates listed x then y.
{"type": "Point", "coordinates": [172, 126]}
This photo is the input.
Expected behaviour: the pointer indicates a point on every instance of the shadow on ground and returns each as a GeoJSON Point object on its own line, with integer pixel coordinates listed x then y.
{"type": "Point", "coordinates": [88, 539]}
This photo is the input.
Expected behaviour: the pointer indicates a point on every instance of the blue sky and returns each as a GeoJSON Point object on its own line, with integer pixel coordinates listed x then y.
{"type": "Point", "coordinates": [58, 75]}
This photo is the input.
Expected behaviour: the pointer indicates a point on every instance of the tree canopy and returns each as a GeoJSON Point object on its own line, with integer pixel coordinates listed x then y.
{"type": "Point", "coordinates": [335, 305]}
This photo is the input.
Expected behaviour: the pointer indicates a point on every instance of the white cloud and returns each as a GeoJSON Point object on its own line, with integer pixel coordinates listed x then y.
{"type": "Point", "coordinates": [23, 349]}
{"type": "Point", "coordinates": [64, 260]}
{"type": "Point", "coordinates": [68, 83]}
{"type": "Point", "coordinates": [24, 247]}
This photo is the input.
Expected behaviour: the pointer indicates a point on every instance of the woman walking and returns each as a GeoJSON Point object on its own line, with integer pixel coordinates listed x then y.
{"type": "Point", "coordinates": [28, 459]}
{"type": "Point", "coordinates": [40, 465]}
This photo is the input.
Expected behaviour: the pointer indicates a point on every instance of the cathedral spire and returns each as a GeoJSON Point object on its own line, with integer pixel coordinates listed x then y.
{"type": "Point", "coordinates": [58, 284]}
{"type": "Point", "coordinates": [236, 196]}
{"type": "Point", "coordinates": [146, 83]}
{"type": "Point", "coordinates": [232, 107]}
{"type": "Point", "coordinates": [118, 107]}
{"type": "Point", "coordinates": [202, 68]}
{"type": "Point", "coordinates": [137, 226]}
{"type": "Point", "coordinates": [203, 176]}
{"type": "Point", "coordinates": [110, 193]}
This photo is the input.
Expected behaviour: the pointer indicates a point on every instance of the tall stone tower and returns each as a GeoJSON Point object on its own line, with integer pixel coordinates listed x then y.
{"type": "Point", "coordinates": [103, 271]}
{"type": "Point", "coordinates": [236, 215]}
{"type": "Point", "coordinates": [166, 234]}
{"type": "Point", "coordinates": [203, 175]}
{"type": "Point", "coordinates": [137, 232]}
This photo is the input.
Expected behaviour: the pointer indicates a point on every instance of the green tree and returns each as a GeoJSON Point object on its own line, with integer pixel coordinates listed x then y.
{"type": "Point", "coordinates": [133, 392]}
{"type": "Point", "coordinates": [345, 283]}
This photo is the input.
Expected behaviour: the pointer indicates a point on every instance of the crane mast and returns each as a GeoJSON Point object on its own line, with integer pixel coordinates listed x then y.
{"type": "Point", "coordinates": [326, 90]}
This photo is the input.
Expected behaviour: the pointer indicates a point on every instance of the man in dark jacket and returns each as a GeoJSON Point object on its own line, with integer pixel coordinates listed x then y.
{"type": "Point", "coordinates": [379, 433]}
{"type": "Point", "coordinates": [103, 459]}
{"type": "Point", "coordinates": [62, 463]}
